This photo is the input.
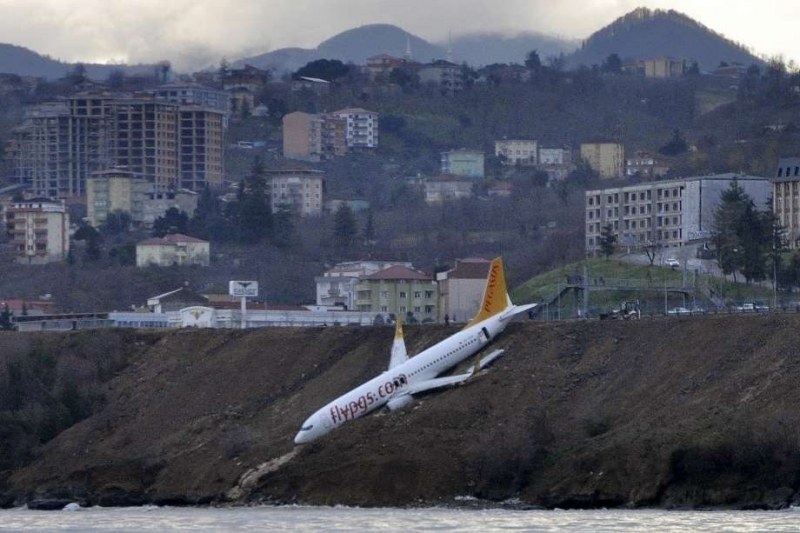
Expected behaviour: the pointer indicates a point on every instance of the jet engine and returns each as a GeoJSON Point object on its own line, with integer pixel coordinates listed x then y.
{"type": "Point", "coordinates": [398, 403]}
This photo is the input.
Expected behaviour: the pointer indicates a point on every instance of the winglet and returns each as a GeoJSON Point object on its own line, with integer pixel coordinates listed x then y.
{"type": "Point", "coordinates": [495, 294]}
{"type": "Point", "coordinates": [399, 354]}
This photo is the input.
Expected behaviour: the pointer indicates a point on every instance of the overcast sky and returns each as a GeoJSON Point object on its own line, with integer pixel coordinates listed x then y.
{"type": "Point", "coordinates": [196, 33]}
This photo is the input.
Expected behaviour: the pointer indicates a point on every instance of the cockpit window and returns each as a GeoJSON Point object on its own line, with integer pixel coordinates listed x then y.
{"type": "Point", "coordinates": [307, 428]}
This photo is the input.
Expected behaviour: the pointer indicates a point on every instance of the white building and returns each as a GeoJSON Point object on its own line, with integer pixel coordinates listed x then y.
{"type": "Point", "coordinates": [669, 213]}
{"type": "Point", "coordinates": [173, 249]}
{"type": "Point", "coordinates": [336, 286]}
{"type": "Point", "coordinates": [361, 128]}
{"type": "Point", "coordinates": [522, 151]}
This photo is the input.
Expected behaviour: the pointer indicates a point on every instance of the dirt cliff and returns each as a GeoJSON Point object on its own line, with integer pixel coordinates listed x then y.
{"type": "Point", "coordinates": [680, 412]}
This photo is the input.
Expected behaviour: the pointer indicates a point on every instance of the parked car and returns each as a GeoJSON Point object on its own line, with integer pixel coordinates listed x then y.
{"type": "Point", "coordinates": [672, 262]}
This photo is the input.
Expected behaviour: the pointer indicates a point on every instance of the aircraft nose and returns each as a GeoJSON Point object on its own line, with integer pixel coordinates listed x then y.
{"type": "Point", "coordinates": [302, 437]}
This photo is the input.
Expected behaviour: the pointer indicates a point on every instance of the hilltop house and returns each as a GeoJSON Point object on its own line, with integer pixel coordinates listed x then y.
{"type": "Point", "coordinates": [174, 249]}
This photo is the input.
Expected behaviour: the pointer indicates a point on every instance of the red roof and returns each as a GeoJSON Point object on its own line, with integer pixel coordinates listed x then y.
{"type": "Point", "coordinates": [398, 272]}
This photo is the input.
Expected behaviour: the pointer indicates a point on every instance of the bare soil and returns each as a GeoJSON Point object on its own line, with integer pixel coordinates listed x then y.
{"type": "Point", "coordinates": [681, 412]}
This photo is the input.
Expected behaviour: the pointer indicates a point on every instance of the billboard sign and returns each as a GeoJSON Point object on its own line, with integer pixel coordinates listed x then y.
{"type": "Point", "coordinates": [247, 289]}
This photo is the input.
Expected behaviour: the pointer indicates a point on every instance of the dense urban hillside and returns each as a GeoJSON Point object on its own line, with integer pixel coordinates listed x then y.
{"type": "Point", "coordinates": [682, 412]}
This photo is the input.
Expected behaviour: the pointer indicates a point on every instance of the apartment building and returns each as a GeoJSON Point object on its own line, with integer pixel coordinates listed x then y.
{"type": "Point", "coordinates": [446, 76]}
{"type": "Point", "coordinates": [555, 156]}
{"type": "Point", "coordinates": [361, 127]}
{"type": "Point", "coordinates": [605, 158]}
{"type": "Point", "coordinates": [173, 249]}
{"type": "Point", "coordinates": [400, 291]}
{"type": "Point", "coordinates": [646, 165]}
{"type": "Point", "coordinates": [517, 151]}
{"type": "Point", "coordinates": [39, 230]}
{"type": "Point", "coordinates": [461, 289]}
{"type": "Point", "coordinates": [664, 67]}
{"type": "Point", "coordinates": [302, 136]}
{"type": "Point", "coordinates": [786, 198]}
{"type": "Point", "coordinates": [298, 189]}
{"type": "Point", "coordinates": [115, 190]}
{"type": "Point", "coordinates": [670, 213]}
{"type": "Point", "coordinates": [464, 162]}
{"type": "Point", "coordinates": [447, 187]}
{"type": "Point", "coordinates": [193, 94]}
{"type": "Point", "coordinates": [170, 144]}
{"type": "Point", "coordinates": [336, 286]}
{"type": "Point", "coordinates": [144, 139]}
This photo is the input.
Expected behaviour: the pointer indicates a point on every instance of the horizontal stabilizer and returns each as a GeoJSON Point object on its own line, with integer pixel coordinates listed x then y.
{"type": "Point", "coordinates": [437, 383]}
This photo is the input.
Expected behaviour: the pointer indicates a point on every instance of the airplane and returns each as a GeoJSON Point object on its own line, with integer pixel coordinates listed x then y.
{"type": "Point", "coordinates": [406, 376]}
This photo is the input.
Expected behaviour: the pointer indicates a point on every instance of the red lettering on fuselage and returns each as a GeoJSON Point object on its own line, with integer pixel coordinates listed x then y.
{"type": "Point", "coordinates": [364, 403]}
{"type": "Point", "coordinates": [487, 306]}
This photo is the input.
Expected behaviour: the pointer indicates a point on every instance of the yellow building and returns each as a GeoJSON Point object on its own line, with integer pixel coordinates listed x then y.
{"type": "Point", "coordinates": [114, 190]}
{"type": "Point", "coordinates": [606, 158]}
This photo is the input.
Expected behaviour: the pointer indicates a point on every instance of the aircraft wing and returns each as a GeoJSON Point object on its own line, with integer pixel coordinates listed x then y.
{"type": "Point", "coordinates": [436, 383]}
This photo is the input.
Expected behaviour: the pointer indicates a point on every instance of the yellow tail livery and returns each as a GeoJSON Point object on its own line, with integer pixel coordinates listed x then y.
{"type": "Point", "coordinates": [495, 294]}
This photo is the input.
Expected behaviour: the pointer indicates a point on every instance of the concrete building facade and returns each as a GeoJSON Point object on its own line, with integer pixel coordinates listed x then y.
{"type": "Point", "coordinates": [464, 162]}
{"type": "Point", "coordinates": [461, 289]}
{"type": "Point", "coordinates": [361, 127]}
{"type": "Point", "coordinates": [298, 189]}
{"type": "Point", "coordinates": [336, 286]}
{"type": "Point", "coordinates": [173, 249]}
{"type": "Point", "coordinates": [669, 213]}
{"type": "Point", "coordinates": [39, 230]}
{"type": "Point", "coordinates": [517, 151]}
{"type": "Point", "coordinates": [605, 158]}
{"type": "Point", "coordinates": [302, 136]}
{"type": "Point", "coordinates": [399, 291]}
{"type": "Point", "coordinates": [786, 198]}
{"type": "Point", "coordinates": [446, 188]}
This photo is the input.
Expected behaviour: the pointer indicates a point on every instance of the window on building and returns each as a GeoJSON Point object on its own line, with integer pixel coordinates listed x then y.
{"type": "Point", "coordinates": [428, 295]}
{"type": "Point", "coordinates": [417, 294]}
{"type": "Point", "coordinates": [402, 294]}
{"type": "Point", "coordinates": [402, 309]}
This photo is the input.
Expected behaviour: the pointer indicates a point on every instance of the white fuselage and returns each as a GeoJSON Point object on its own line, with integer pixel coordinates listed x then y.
{"type": "Point", "coordinates": [396, 382]}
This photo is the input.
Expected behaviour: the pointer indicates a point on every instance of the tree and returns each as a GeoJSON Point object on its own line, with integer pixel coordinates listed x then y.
{"type": "Point", "coordinates": [116, 222]}
{"type": "Point", "coordinates": [612, 64]}
{"type": "Point", "coordinates": [326, 69]}
{"type": "Point", "coordinates": [93, 240]}
{"type": "Point", "coordinates": [5, 318]}
{"type": "Point", "coordinates": [743, 237]}
{"type": "Point", "coordinates": [533, 62]}
{"type": "Point", "coordinates": [173, 221]}
{"type": "Point", "coordinates": [677, 145]}
{"type": "Point", "coordinates": [607, 240]}
{"type": "Point", "coordinates": [252, 212]}
{"type": "Point", "coordinates": [344, 227]}
{"type": "Point", "coordinates": [283, 226]}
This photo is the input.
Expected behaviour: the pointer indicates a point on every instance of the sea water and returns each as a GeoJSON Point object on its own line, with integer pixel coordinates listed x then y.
{"type": "Point", "coordinates": [348, 519]}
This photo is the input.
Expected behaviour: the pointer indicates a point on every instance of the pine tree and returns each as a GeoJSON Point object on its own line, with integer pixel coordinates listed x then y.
{"type": "Point", "coordinates": [607, 240]}
{"type": "Point", "coordinates": [344, 227]}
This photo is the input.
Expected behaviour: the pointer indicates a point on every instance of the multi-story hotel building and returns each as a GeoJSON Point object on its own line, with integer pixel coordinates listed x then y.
{"type": "Point", "coordinates": [39, 230]}
{"type": "Point", "coordinates": [670, 213]}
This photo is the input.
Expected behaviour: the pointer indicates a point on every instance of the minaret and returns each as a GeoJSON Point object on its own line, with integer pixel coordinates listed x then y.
{"type": "Point", "coordinates": [407, 56]}
{"type": "Point", "coordinates": [450, 56]}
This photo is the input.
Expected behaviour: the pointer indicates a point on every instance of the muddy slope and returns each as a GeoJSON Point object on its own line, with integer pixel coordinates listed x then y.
{"type": "Point", "coordinates": [683, 412]}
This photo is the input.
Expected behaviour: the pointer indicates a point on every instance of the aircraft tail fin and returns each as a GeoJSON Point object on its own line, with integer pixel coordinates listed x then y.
{"type": "Point", "coordinates": [495, 294]}
{"type": "Point", "coordinates": [399, 353]}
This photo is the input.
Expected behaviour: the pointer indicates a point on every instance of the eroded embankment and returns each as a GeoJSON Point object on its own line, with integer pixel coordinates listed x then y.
{"type": "Point", "coordinates": [682, 412]}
